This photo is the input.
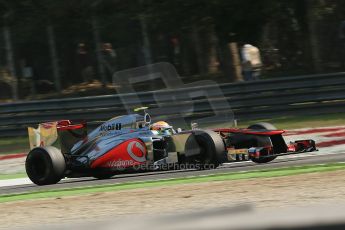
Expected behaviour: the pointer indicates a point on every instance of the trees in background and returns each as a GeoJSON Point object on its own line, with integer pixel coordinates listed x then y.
{"type": "Point", "coordinates": [296, 36]}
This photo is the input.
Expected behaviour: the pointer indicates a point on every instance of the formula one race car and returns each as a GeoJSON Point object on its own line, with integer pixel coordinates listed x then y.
{"type": "Point", "coordinates": [126, 143]}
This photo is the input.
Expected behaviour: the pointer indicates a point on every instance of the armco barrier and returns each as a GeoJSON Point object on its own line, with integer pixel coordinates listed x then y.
{"type": "Point", "coordinates": [309, 95]}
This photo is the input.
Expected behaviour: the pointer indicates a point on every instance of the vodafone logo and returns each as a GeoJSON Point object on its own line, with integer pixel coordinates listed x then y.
{"type": "Point", "coordinates": [137, 151]}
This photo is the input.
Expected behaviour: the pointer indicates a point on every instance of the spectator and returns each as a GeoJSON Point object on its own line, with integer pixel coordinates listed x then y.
{"type": "Point", "coordinates": [176, 50]}
{"type": "Point", "coordinates": [109, 59]}
{"type": "Point", "coordinates": [85, 68]}
{"type": "Point", "coordinates": [251, 62]}
{"type": "Point", "coordinates": [247, 71]}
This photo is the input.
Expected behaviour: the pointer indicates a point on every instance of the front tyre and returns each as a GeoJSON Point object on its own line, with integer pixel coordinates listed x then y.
{"type": "Point", "coordinates": [211, 149]}
{"type": "Point", "coordinates": [45, 165]}
{"type": "Point", "coordinates": [263, 126]}
{"type": "Point", "coordinates": [263, 160]}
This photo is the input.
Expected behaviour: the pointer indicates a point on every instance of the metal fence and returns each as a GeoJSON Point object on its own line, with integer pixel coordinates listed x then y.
{"type": "Point", "coordinates": [307, 95]}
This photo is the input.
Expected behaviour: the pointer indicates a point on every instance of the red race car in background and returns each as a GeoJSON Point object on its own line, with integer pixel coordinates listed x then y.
{"type": "Point", "coordinates": [261, 143]}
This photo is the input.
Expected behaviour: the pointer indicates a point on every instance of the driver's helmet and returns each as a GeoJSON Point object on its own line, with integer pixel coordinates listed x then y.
{"type": "Point", "coordinates": [162, 127]}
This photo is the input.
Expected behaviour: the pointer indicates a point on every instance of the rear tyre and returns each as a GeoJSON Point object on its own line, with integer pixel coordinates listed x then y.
{"type": "Point", "coordinates": [263, 126]}
{"type": "Point", "coordinates": [212, 149]}
{"type": "Point", "coordinates": [45, 165]}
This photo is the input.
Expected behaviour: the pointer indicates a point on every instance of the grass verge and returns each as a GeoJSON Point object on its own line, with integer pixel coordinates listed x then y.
{"type": "Point", "coordinates": [10, 145]}
{"type": "Point", "coordinates": [12, 176]}
{"type": "Point", "coordinates": [168, 182]}
{"type": "Point", "coordinates": [297, 122]}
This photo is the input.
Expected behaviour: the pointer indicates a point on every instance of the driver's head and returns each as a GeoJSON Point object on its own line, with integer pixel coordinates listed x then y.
{"type": "Point", "coordinates": [162, 127]}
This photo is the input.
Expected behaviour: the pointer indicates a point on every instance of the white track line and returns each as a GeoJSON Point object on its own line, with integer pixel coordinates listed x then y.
{"type": "Point", "coordinates": [14, 182]}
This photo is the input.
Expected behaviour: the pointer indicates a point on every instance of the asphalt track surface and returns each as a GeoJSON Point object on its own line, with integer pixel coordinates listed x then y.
{"type": "Point", "coordinates": [286, 161]}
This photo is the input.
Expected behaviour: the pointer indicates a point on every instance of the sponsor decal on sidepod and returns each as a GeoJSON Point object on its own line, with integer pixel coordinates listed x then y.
{"type": "Point", "coordinates": [129, 153]}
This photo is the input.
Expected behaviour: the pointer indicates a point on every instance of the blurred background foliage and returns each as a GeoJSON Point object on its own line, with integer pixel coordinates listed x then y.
{"type": "Point", "coordinates": [294, 37]}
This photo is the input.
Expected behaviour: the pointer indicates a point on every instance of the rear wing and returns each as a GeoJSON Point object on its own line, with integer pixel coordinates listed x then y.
{"type": "Point", "coordinates": [44, 135]}
{"type": "Point", "coordinates": [61, 134]}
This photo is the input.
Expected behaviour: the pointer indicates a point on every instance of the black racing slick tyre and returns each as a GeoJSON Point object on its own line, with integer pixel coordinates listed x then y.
{"type": "Point", "coordinates": [263, 126]}
{"type": "Point", "coordinates": [212, 149]}
{"type": "Point", "coordinates": [45, 165]}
